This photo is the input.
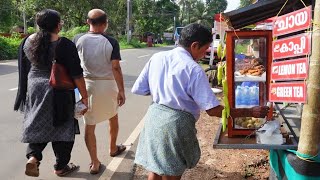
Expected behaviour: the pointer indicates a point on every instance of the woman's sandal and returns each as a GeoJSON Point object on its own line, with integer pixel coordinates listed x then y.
{"type": "Point", "coordinates": [32, 169]}
{"type": "Point", "coordinates": [68, 169]}
{"type": "Point", "coordinates": [120, 149]}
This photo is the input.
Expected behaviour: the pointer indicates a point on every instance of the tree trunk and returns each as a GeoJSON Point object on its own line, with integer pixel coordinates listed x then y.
{"type": "Point", "coordinates": [310, 123]}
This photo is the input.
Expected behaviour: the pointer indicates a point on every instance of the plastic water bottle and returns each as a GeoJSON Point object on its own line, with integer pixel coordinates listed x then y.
{"type": "Point", "coordinates": [245, 96]}
{"type": "Point", "coordinates": [77, 94]}
{"type": "Point", "coordinates": [252, 96]}
{"type": "Point", "coordinates": [257, 95]}
{"type": "Point", "coordinates": [238, 96]}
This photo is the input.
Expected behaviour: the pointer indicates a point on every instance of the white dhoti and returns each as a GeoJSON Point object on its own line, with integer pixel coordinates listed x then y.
{"type": "Point", "coordinates": [103, 103]}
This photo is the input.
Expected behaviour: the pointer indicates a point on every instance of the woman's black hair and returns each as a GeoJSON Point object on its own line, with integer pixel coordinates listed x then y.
{"type": "Point", "coordinates": [195, 33]}
{"type": "Point", "coordinates": [48, 21]}
{"type": "Point", "coordinates": [99, 20]}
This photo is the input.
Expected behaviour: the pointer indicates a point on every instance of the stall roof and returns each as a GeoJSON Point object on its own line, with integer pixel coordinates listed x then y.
{"type": "Point", "coordinates": [261, 10]}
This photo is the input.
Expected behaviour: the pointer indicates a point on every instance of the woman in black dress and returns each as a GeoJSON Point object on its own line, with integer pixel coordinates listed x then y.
{"type": "Point", "coordinates": [48, 112]}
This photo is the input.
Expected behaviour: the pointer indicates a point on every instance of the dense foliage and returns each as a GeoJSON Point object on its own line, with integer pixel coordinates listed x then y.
{"type": "Point", "coordinates": [155, 16]}
{"type": "Point", "coordinates": [244, 3]}
{"type": "Point", "coordinates": [9, 47]}
{"type": "Point", "coordinates": [147, 15]}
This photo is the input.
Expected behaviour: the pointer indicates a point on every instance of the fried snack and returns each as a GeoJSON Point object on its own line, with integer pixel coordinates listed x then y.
{"type": "Point", "coordinates": [239, 121]}
{"type": "Point", "coordinates": [244, 124]}
{"type": "Point", "coordinates": [244, 71]}
{"type": "Point", "coordinates": [257, 125]}
{"type": "Point", "coordinates": [252, 71]}
{"type": "Point", "coordinates": [250, 126]}
{"type": "Point", "coordinates": [258, 73]}
{"type": "Point", "coordinates": [256, 61]}
{"type": "Point", "coordinates": [255, 119]}
{"type": "Point", "coordinates": [258, 67]}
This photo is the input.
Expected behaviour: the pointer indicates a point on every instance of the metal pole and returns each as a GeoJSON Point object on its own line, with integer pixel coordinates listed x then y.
{"type": "Point", "coordinates": [188, 12]}
{"type": "Point", "coordinates": [174, 23]}
{"type": "Point", "coordinates": [24, 18]}
{"type": "Point", "coordinates": [128, 21]}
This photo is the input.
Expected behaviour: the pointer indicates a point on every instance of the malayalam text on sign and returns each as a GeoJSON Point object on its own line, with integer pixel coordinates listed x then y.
{"type": "Point", "coordinates": [293, 46]}
{"type": "Point", "coordinates": [292, 22]}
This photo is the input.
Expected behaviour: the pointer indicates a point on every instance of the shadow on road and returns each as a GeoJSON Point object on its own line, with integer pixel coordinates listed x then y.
{"type": "Point", "coordinates": [6, 69]}
{"type": "Point", "coordinates": [130, 155]}
{"type": "Point", "coordinates": [86, 175]}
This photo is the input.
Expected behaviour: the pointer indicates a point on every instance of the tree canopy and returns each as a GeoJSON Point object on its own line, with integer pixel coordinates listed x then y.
{"type": "Point", "coordinates": [155, 16]}
{"type": "Point", "coordinates": [244, 3]}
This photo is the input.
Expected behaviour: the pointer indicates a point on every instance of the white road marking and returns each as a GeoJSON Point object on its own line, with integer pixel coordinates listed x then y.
{"type": "Point", "coordinates": [116, 161]}
{"type": "Point", "coordinates": [13, 89]}
{"type": "Point", "coordinates": [144, 56]}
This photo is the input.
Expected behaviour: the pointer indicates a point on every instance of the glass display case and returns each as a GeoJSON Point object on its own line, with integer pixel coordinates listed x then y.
{"type": "Point", "coordinates": [248, 75]}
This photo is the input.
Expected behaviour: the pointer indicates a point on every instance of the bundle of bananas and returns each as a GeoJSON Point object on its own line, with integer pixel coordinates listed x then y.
{"type": "Point", "coordinates": [226, 110]}
{"type": "Point", "coordinates": [221, 51]}
{"type": "Point", "coordinates": [222, 78]}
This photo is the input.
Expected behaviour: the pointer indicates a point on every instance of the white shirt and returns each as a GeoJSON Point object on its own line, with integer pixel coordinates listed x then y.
{"type": "Point", "coordinates": [174, 79]}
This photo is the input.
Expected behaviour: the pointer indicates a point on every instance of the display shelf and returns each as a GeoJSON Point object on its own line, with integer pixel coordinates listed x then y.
{"type": "Point", "coordinates": [243, 78]}
{"type": "Point", "coordinates": [249, 58]}
{"type": "Point", "coordinates": [222, 141]}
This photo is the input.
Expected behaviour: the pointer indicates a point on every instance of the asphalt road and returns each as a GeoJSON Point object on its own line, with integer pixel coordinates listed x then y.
{"type": "Point", "coordinates": [12, 155]}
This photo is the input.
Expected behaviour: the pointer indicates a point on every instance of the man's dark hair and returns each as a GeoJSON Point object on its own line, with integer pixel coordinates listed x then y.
{"type": "Point", "coordinates": [195, 33]}
{"type": "Point", "coordinates": [99, 20]}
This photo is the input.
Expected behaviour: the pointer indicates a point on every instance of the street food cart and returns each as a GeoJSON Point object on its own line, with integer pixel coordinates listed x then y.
{"type": "Point", "coordinates": [265, 66]}
{"type": "Point", "coordinates": [286, 79]}
{"type": "Point", "coordinates": [248, 76]}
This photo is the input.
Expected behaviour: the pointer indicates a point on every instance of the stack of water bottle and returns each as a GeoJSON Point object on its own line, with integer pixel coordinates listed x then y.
{"type": "Point", "coordinates": [246, 96]}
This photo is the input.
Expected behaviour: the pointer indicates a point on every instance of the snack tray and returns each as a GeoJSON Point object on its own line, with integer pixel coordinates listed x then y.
{"type": "Point", "coordinates": [241, 78]}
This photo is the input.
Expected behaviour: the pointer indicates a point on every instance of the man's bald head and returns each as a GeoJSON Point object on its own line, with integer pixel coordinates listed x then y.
{"type": "Point", "coordinates": [97, 17]}
{"type": "Point", "coordinates": [95, 13]}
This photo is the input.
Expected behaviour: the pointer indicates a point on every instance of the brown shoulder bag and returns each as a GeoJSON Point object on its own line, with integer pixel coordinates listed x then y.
{"type": "Point", "coordinates": [59, 77]}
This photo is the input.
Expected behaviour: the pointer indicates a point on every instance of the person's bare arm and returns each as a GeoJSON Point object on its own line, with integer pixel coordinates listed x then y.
{"type": "Point", "coordinates": [216, 111]}
{"type": "Point", "coordinates": [258, 111]}
{"type": "Point", "coordinates": [117, 73]}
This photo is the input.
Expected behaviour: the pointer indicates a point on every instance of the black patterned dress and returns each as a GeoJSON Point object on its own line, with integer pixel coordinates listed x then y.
{"type": "Point", "coordinates": [41, 109]}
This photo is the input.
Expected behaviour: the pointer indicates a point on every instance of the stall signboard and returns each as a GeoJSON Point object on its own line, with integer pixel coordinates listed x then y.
{"type": "Point", "coordinates": [290, 70]}
{"type": "Point", "coordinates": [292, 22]}
{"type": "Point", "coordinates": [293, 46]}
{"type": "Point", "coordinates": [294, 92]}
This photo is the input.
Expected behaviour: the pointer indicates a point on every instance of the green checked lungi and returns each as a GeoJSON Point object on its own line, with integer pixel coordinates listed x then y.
{"type": "Point", "coordinates": [168, 144]}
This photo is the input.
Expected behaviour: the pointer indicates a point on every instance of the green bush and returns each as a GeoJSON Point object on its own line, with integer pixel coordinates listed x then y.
{"type": "Point", "coordinates": [74, 31]}
{"type": "Point", "coordinates": [134, 43]}
{"type": "Point", "coordinates": [31, 30]}
{"type": "Point", "coordinates": [9, 47]}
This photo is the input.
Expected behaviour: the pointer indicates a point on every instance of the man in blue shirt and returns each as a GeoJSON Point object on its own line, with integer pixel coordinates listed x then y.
{"type": "Point", "coordinates": [180, 90]}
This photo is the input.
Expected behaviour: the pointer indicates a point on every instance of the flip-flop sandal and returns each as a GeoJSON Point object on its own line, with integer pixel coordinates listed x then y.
{"type": "Point", "coordinates": [120, 149]}
{"type": "Point", "coordinates": [68, 169]}
{"type": "Point", "coordinates": [32, 169]}
{"type": "Point", "coordinates": [94, 171]}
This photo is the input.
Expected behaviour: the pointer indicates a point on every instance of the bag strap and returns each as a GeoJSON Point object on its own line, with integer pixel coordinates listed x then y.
{"type": "Point", "coordinates": [54, 59]}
